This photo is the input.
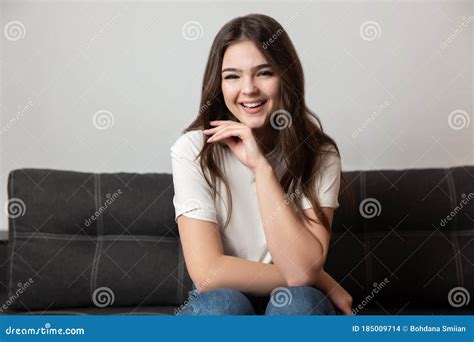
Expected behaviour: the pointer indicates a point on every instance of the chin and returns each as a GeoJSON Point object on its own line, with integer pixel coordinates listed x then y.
{"type": "Point", "coordinates": [254, 122]}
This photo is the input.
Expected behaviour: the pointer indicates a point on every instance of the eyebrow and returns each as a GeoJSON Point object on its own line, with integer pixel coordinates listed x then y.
{"type": "Point", "coordinates": [260, 66]}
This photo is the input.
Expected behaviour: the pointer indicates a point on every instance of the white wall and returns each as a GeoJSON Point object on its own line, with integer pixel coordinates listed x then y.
{"type": "Point", "coordinates": [132, 60]}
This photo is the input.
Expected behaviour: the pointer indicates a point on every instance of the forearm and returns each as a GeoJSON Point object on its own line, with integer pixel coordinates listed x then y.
{"type": "Point", "coordinates": [325, 282]}
{"type": "Point", "coordinates": [243, 275]}
{"type": "Point", "coordinates": [296, 252]}
{"type": "Point", "coordinates": [254, 277]}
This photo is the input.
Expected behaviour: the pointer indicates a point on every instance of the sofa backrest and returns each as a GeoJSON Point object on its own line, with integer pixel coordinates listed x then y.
{"type": "Point", "coordinates": [84, 239]}
{"type": "Point", "coordinates": [408, 241]}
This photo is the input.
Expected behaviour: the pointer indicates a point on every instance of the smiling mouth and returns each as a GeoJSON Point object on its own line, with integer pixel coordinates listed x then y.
{"type": "Point", "coordinates": [252, 104]}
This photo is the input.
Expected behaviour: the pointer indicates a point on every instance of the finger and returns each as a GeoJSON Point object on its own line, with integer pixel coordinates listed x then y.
{"type": "Point", "coordinates": [223, 123]}
{"type": "Point", "coordinates": [226, 133]}
{"type": "Point", "coordinates": [214, 130]}
{"type": "Point", "coordinates": [347, 311]}
{"type": "Point", "coordinates": [220, 122]}
{"type": "Point", "coordinates": [210, 130]}
{"type": "Point", "coordinates": [220, 129]}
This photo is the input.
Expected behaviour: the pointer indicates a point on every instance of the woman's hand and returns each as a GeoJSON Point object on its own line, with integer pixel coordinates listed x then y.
{"type": "Point", "coordinates": [341, 299]}
{"type": "Point", "coordinates": [240, 140]}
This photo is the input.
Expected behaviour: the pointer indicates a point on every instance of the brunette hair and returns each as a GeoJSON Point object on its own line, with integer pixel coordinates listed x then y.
{"type": "Point", "coordinates": [300, 143]}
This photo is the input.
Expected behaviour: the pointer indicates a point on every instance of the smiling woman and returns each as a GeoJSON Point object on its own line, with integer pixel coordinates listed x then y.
{"type": "Point", "coordinates": [251, 91]}
{"type": "Point", "coordinates": [254, 203]}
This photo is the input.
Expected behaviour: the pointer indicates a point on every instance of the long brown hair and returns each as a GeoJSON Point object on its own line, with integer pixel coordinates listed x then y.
{"type": "Point", "coordinates": [300, 142]}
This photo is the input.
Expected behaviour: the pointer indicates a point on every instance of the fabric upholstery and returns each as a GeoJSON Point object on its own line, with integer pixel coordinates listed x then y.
{"type": "Point", "coordinates": [132, 247]}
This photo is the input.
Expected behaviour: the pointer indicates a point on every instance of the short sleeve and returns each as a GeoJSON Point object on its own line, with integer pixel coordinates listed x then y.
{"type": "Point", "coordinates": [192, 195]}
{"type": "Point", "coordinates": [328, 182]}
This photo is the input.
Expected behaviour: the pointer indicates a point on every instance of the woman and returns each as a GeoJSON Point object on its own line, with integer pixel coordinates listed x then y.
{"type": "Point", "coordinates": [256, 183]}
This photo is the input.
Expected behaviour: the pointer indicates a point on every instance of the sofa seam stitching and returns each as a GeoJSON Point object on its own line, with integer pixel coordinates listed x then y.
{"type": "Point", "coordinates": [32, 235]}
{"type": "Point", "coordinates": [180, 274]}
{"type": "Point", "coordinates": [368, 268]}
{"type": "Point", "coordinates": [12, 247]}
{"type": "Point", "coordinates": [97, 247]}
{"type": "Point", "coordinates": [100, 231]}
{"type": "Point", "coordinates": [453, 230]}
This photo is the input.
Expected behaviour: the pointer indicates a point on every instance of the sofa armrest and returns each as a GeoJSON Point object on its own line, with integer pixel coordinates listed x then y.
{"type": "Point", "coordinates": [3, 266]}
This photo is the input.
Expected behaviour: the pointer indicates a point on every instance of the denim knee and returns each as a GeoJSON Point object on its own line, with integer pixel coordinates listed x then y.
{"type": "Point", "coordinates": [299, 300]}
{"type": "Point", "coordinates": [221, 301]}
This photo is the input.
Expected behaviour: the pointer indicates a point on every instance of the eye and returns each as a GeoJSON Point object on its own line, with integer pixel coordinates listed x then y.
{"type": "Point", "coordinates": [231, 77]}
{"type": "Point", "coordinates": [266, 73]}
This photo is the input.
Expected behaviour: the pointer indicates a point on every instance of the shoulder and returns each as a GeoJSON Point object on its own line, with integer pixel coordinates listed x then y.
{"type": "Point", "coordinates": [330, 164]}
{"type": "Point", "coordinates": [327, 147]}
{"type": "Point", "coordinates": [189, 144]}
{"type": "Point", "coordinates": [329, 154]}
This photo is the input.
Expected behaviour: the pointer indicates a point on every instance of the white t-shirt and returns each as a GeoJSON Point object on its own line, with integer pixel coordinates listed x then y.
{"type": "Point", "coordinates": [244, 236]}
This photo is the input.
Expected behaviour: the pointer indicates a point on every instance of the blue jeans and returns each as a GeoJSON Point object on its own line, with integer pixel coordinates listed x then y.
{"type": "Point", "coordinates": [293, 300]}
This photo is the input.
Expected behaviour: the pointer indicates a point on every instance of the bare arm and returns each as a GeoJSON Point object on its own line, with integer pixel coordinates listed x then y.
{"type": "Point", "coordinates": [209, 268]}
{"type": "Point", "coordinates": [338, 295]}
{"type": "Point", "coordinates": [326, 283]}
{"type": "Point", "coordinates": [243, 275]}
{"type": "Point", "coordinates": [298, 250]}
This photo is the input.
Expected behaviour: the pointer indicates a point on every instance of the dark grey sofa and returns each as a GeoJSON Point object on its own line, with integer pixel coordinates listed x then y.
{"type": "Point", "coordinates": [85, 243]}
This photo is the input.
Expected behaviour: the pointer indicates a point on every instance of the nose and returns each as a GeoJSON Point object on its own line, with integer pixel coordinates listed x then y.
{"type": "Point", "coordinates": [248, 86]}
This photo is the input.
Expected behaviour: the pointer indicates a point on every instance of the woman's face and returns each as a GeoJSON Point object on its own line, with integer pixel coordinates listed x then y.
{"type": "Point", "coordinates": [250, 86]}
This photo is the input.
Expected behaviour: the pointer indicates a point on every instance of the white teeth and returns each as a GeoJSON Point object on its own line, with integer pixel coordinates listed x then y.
{"type": "Point", "coordinates": [252, 105]}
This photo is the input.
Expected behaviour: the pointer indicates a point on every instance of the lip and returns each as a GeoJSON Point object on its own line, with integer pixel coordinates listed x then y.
{"type": "Point", "coordinates": [253, 101]}
{"type": "Point", "coordinates": [253, 110]}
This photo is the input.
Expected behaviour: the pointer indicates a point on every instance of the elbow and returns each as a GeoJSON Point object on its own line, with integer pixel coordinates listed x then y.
{"type": "Point", "coordinates": [206, 279]}
{"type": "Point", "coordinates": [308, 269]}
{"type": "Point", "coordinates": [201, 281]}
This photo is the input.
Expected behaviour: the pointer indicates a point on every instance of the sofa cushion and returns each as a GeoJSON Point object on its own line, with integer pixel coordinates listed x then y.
{"type": "Point", "coordinates": [83, 240]}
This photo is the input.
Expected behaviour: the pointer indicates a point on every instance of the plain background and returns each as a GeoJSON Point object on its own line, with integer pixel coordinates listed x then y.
{"type": "Point", "coordinates": [399, 74]}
